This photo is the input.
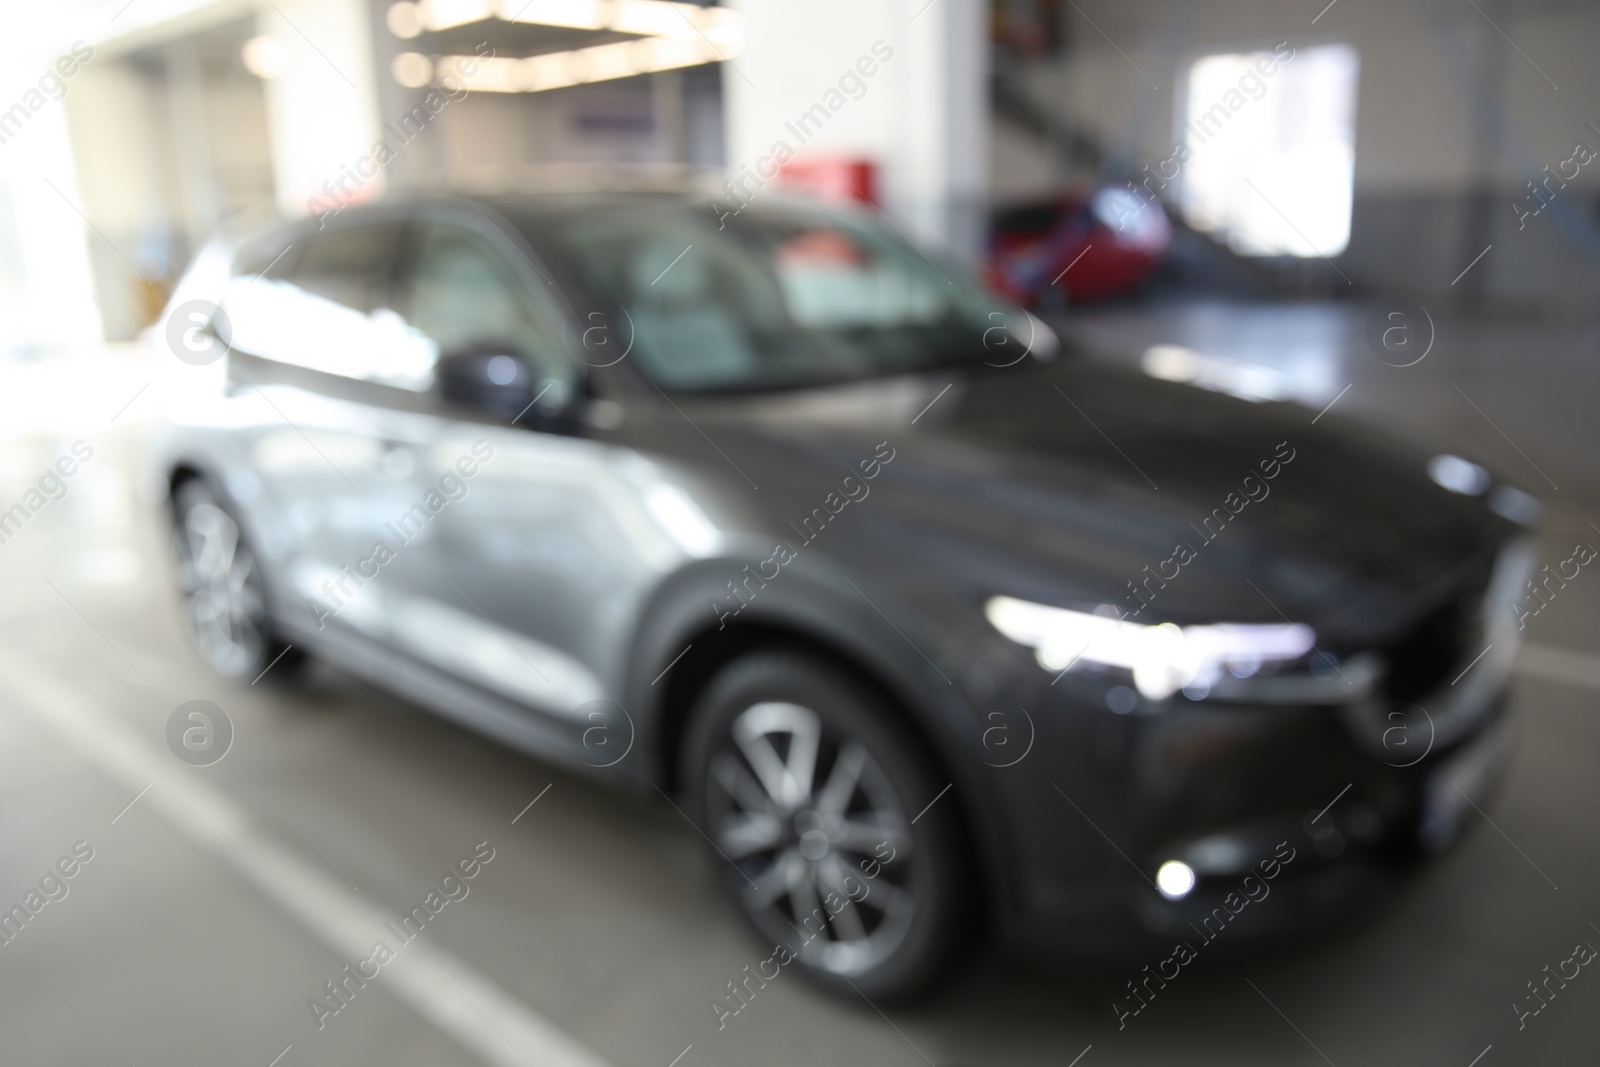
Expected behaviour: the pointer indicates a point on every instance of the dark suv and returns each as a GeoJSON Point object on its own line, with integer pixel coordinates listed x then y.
{"type": "Point", "coordinates": [929, 626]}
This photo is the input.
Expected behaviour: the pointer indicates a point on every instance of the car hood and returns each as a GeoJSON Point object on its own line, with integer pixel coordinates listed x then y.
{"type": "Point", "coordinates": [1081, 482]}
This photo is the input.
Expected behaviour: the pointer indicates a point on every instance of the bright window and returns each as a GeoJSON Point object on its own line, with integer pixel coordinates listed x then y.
{"type": "Point", "coordinates": [1271, 149]}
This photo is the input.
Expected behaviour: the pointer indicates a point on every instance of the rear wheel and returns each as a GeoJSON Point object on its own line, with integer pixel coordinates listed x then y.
{"type": "Point", "coordinates": [807, 787]}
{"type": "Point", "coordinates": [223, 597]}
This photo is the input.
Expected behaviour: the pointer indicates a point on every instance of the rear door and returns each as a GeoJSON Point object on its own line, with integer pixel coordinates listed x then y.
{"type": "Point", "coordinates": [336, 393]}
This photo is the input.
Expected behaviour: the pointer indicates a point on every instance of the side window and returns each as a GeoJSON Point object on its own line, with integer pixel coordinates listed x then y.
{"type": "Point", "coordinates": [324, 305]}
{"type": "Point", "coordinates": [461, 295]}
{"type": "Point", "coordinates": [268, 258]}
{"type": "Point", "coordinates": [349, 268]}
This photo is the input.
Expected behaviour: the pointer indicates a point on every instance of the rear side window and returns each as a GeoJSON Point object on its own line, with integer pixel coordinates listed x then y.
{"type": "Point", "coordinates": [324, 305]}
{"type": "Point", "coordinates": [349, 268]}
{"type": "Point", "coordinates": [267, 258]}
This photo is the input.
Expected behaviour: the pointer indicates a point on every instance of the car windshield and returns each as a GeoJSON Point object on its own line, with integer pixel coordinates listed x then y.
{"type": "Point", "coordinates": [784, 296]}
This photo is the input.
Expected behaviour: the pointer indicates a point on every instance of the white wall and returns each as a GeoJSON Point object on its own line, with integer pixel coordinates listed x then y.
{"type": "Point", "coordinates": [46, 292]}
{"type": "Point", "coordinates": [323, 109]}
{"type": "Point", "coordinates": [922, 116]}
{"type": "Point", "coordinates": [1421, 154]}
{"type": "Point", "coordinates": [1415, 125]}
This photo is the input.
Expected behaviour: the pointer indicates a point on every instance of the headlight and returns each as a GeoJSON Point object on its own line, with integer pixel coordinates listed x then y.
{"type": "Point", "coordinates": [1163, 658]}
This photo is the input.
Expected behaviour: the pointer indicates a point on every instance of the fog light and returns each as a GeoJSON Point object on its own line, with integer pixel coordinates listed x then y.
{"type": "Point", "coordinates": [1174, 879]}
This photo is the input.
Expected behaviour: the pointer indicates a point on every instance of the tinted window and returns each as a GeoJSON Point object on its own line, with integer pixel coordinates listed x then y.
{"type": "Point", "coordinates": [324, 305]}
{"type": "Point", "coordinates": [351, 267]}
{"type": "Point", "coordinates": [269, 257]}
{"type": "Point", "coordinates": [771, 298]}
{"type": "Point", "coordinates": [462, 295]}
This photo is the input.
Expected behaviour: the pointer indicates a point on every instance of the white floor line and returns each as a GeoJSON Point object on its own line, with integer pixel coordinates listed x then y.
{"type": "Point", "coordinates": [442, 989]}
{"type": "Point", "coordinates": [1561, 665]}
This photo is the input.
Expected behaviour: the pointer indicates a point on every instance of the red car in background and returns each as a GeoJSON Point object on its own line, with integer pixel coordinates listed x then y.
{"type": "Point", "coordinates": [1089, 247]}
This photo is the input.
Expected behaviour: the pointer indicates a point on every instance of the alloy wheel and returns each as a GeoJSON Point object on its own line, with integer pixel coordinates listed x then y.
{"type": "Point", "coordinates": [818, 836]}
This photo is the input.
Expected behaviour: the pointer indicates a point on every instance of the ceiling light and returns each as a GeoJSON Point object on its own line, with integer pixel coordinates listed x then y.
{"type": "Point", "coordinates": [572, 14]}
{"type": "Point", "coordinates": [404, 20]}
{"type": "Point", "coordinates": [644, 18]}
{"type": "Point", "coordinates": [558, 70]}
{"type": "Point", "coordinates": [412, 69]}
{"type": "Point", "coordinates": [265, 57]}
{"type": "Point", "coordinates": [443, 14]}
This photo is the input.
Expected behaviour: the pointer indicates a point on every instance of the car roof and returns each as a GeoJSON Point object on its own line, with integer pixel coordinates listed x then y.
{"type": "Point", "coordinates": [265, 237]}
{"type": "Point", "coordinates": [542, 204]}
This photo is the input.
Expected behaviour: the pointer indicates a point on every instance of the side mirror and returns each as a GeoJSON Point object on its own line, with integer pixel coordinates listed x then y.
{"type": "Point", "coordinates": [495, 378]}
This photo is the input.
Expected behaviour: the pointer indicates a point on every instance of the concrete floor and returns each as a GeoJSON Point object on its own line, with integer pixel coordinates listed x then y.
{"type": "Point", "coordinates": [225, 896]}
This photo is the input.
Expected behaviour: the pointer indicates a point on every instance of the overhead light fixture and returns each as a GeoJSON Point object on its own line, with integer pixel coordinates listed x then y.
{"type": "Point", "coordinates": [559, 70]}
{"type": "Point", "coordinates": [573, 14]}
{"type": "Point", "coordinates": [647, 18]}
{"type": "Point", "coordinates": [660, 19]}
{"type": "Point", "coordinates": [669, 36]}
{"type": "Point", "coordinates": [412, 69]}
{"type": "Point", "coordinates": [443, 14]}
{"type": "Point", "coordinates": [265, 57]}
{"type": "Point", "coordinates": [404, 20]}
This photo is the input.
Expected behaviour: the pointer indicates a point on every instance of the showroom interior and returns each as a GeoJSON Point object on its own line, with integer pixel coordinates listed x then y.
{"type": "Point", "coordinates": [1380, 216]}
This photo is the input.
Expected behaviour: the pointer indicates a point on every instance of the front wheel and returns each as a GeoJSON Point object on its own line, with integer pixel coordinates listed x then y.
{"type": "Point", "coordinates": [813, 796]}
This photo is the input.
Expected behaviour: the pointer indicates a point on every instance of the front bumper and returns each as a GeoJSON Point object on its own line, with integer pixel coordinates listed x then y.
{"type": "Point", "coordinates": [1288, 817]}
{"type": "Point", "coordinates": [1355, 791]}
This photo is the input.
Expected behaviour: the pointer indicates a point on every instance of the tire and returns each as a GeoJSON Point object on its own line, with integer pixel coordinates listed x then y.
{"type": "Point", "coordinates": [829, 864]}
{"type": "Point", "coordinates": [224, 599]}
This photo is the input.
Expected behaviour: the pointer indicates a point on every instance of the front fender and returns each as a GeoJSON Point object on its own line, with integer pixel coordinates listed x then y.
{"type": "Point", "coordinates": [813, 601]}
